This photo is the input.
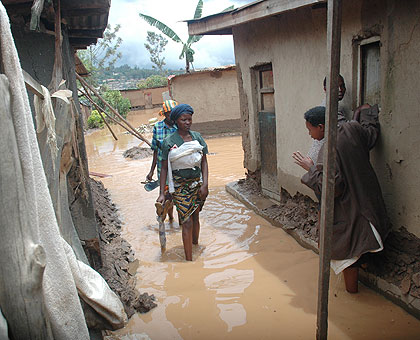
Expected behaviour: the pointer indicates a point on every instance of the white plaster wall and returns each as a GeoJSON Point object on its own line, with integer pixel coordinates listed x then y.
{"type": "Point", "coordinates": [213, 95]}
{"type": "Point", "coordinates": [295, 44]}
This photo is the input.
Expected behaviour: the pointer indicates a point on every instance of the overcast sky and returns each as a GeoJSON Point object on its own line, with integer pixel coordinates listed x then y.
{"type": "Point", "coordinates": [210, 51]}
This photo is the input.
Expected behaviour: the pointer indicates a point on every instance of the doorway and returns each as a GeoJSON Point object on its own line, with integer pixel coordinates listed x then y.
{"type": "Point", "coordinates": [267, 131]}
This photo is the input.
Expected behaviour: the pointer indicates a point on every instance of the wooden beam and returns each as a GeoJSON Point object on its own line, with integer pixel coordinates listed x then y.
{"type": "Point", "coordinates": [328, 179]}
{"type": "Point", "coordinates": [251, 12]}
{"type": "Point", "coordinates": [82, 41]}
{"type": "Point", "coordinates": [15, 2]}
{"type": "Point", "coordinates": [86, 85]}
{"type": "Point", "coordinates": [57, 74]}
{"type": "Point", "coordinates": [85, 33]}
{"type": "Point", "coordinates": [87, 12]}
{"type": "Point", "coordinates": [32, 85]}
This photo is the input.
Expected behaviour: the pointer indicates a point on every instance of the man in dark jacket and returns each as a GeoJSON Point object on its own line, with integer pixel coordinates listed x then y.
{"type": "Point", "coordinates": [360, 219]}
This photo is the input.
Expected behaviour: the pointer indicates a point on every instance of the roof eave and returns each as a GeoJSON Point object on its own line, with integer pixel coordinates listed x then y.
{"type": "Point", "coordinates": [222, 23]}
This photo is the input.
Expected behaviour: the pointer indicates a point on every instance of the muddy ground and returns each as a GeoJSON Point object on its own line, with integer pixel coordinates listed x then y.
{"type": "Point", "coordinates": [398, 263]}
{"type": "Point", "coordinates": [118, 262]}
{"type": "Point", "coordinates": [137, 152]}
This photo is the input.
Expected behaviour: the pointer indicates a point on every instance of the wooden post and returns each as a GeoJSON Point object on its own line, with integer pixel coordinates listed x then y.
{"type": "Point", "coordinates": [57, 74]}
{"type": "Point", "coordinates": [328, 179]}
{"type": "Point", "coordinates": [100, 113]}
{"type": "Point", "coordinates": [86, 94]}
{"type": "Point", "coordinates": [83, 82]}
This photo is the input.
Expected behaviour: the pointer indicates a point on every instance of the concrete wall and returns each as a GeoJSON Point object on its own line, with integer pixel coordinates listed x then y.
{"type": "Point", "coordinates": [216, 89]}
{"type": "Point", "coordinates": [139, 98]}
{"type": "Point", "coordinates": [295, 44]}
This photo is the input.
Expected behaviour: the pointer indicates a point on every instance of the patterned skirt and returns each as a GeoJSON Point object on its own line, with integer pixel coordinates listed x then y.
{"type": "Point", "coordinates": [186, 197]}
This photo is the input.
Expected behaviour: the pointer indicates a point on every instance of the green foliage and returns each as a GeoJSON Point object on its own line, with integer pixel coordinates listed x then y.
{"type": "Point", "coordinates": [156, 45]}
{"type": "Point", "coordinates": [187, 52]}
{"type": "Point", "coordinates": [95, 120]}
{"type": "Point", "coordinates": [152, 81]}
{"type": "Point", "coordinates": [118, 102]}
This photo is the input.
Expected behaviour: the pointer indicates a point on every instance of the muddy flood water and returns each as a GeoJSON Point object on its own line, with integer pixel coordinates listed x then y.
{"type": "Point", "coordinates": [248, 279]}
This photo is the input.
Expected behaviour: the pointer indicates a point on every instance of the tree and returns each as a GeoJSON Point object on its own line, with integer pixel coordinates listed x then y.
{"type": "Point", "coordinates": [152, 81]}
{"type": "Point", "coordinates": [117, 101]}
{"type": "Point", "coordinates": [103, 55]}
{"type": "Point", "coordinates": [156, 45]}
{"type": "Point", "coordinates": [187, 52]}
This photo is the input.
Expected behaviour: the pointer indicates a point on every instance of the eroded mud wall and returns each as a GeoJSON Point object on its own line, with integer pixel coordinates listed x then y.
{"type": "Point", "coordinates": [67, 173]}
{"type": "Point", "coordinates": [295, 44]}
{"type": "Point", "coordinates": [214, 96]}
{"type": "Point", "coordinates": [140, 98]}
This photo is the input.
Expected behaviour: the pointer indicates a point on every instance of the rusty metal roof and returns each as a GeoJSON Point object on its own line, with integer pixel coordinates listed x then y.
{"type": "Point", "coordinates": [85, 20]}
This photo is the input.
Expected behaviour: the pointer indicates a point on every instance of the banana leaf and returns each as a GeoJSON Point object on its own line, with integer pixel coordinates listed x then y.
{"type": "Point", "coordinates": [161, 27]}
{"type": "Point", "coordinates": [198, 9]}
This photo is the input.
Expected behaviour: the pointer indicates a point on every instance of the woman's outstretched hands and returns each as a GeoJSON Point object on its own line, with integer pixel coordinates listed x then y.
{"type": "Point", "coordinates": [304, 162]}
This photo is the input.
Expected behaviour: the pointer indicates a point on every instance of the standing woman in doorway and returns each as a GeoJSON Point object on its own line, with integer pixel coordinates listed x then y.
{"type": "Point", "coordinates": [184, 163]}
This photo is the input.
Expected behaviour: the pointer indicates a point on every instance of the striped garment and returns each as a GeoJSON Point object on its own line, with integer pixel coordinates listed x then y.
{"type": "Point", "coordinates": [186, 197]}
{"type": "Point", "coordinates": [160, 132]}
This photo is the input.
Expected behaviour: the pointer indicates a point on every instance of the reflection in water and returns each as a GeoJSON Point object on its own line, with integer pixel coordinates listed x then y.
{"type": "Point", "coordinates": [247, 280]}
{"type": "Point", "coordinates": [233, 314]}
{"type": "Point", "coordinates": [229, 281]}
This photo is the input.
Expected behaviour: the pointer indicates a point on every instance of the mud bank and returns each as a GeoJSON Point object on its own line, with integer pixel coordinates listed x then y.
{"type": "Point", "coordinates": [394, 272]}
{"type": "Point", "coordinates": [137, 152]}
{"type": "Point", "coordinates": [118, 261]}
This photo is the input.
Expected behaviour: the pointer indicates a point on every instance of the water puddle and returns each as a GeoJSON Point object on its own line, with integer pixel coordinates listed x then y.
{"type": "Point", "coordinates": [247, 280]}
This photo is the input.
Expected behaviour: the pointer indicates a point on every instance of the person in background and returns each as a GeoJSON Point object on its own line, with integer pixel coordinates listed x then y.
{"type": "Point", "coordinates": [184, 163]}
{"type": "Point", "coordinates": [316, 145]}
{"type": "Point", "coordinates": [161, 130]}
{"type": "Point", "coordinates": [360, 219]}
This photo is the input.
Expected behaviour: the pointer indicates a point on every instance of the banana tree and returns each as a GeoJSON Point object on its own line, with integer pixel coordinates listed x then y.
{"type": "Point", "coordinates": [187, 52]}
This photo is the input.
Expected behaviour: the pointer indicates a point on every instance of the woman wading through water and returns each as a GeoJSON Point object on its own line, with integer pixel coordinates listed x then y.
{"type": "Point", "coordinates": [184, 163]}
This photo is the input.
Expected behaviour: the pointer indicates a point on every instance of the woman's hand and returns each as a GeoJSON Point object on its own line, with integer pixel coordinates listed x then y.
{"type": "Point", "coordinates": [304, 162]}
{"type": "Point", "coordinates": [149, 176]}
{"type": "Point", "coordinates": [203, 192]}
{"type": "Point", "coordinates": [161, 198]}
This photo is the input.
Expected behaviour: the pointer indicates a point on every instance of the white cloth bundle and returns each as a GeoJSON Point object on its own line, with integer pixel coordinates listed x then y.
{"type": "Point", "coordinates": [187, 156]}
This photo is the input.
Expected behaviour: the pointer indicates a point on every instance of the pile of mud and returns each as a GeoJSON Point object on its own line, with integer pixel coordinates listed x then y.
{"type": "Point", "coordinates": [137, 152]}
{"type": "Point", "coordinates": [118, 261]}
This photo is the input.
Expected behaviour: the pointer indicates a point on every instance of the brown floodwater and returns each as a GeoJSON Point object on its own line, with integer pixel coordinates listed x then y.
{"type": "Point", "coordinates": [248, 279]}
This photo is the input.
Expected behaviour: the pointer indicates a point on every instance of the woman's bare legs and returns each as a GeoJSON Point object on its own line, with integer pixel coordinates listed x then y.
{"type": "Point", "coordinates": [351, 277]}
{"type": "Point", "coordinates": [187, 228]}
{"type": "Point", "coordinates": [190, 233]}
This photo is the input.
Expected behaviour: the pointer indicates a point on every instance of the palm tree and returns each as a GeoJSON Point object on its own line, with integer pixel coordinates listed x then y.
{"type": "Point", "coordinates": [187, 51]}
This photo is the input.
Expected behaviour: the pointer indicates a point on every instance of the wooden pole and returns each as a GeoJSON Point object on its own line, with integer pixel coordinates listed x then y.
{"type": "Point", "coordinates": [328, 179]}
{"type": "Point", "coordinates": [100, 113]}
{"type": "Point", "coordinates": [109, 116]}
{"type": "Point", "coordinates": [85, 84]}
{"type": "Point", "coordinates": [57, 74]}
